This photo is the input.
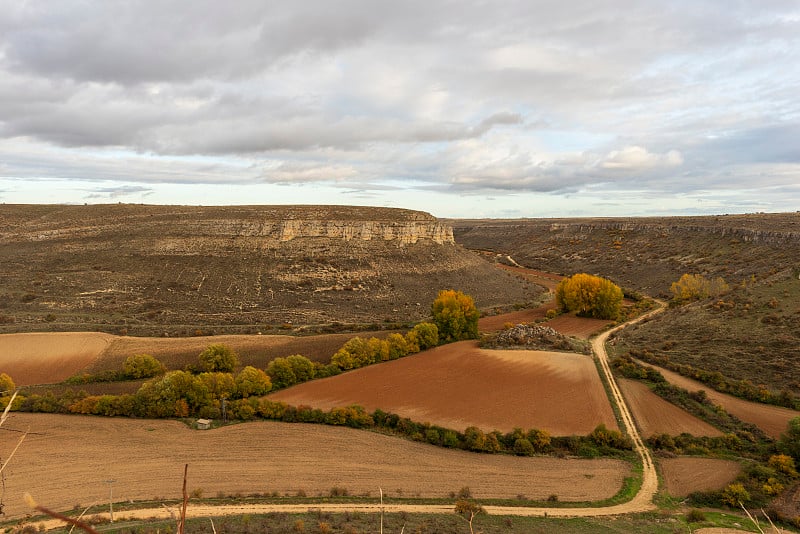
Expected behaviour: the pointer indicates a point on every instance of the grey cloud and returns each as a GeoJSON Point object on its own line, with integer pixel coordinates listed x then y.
{"type": "Point", "coordinates": [457, 95]}
{"type": "Point", "coordinates": [119, 192]}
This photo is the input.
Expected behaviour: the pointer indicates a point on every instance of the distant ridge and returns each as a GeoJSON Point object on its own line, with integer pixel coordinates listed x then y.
{"type": "Point", "coordinates": [180, 270]}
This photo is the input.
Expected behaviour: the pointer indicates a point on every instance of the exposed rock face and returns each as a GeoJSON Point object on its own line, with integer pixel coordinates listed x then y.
{"type": "Point", "coordinates": [647, 253]}
{"type": "Point", "coordinates": [235, 268]}
{"type": "Point", "coordinates": [270, 224]}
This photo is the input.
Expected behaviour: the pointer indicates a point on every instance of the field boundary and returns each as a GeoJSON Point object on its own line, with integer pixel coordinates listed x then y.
{"type": "Point", "coordinates": [642, 501]}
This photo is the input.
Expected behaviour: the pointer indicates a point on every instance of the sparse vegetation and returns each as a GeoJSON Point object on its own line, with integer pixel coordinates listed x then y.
{"type": "Point", "coordinates": [534, 337]}
{"type": "Point", "coordinates": [697, 287]}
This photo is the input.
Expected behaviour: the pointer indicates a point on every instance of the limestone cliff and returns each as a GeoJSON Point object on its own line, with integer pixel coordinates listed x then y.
{"type": "Point", "coordinates": [232, 268]}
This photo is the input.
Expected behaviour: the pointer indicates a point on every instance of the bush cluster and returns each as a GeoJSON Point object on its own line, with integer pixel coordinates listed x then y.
{"type": "Point", "coordinates": [182, 394]}
{"type": "Point", "coordinates": [696, 287]}
{"type": "Point", "coordinates": [738, 388]}
{"type": "Point", "coordinates": [756, 486]}
{"type": "Point", "coordinates": [358, 352]}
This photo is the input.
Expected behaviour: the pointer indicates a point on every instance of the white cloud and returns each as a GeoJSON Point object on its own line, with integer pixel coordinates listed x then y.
{"type": "Point", "coordinates": [509, 97]}
{"type": "Point", "coordinates": [636, 158]}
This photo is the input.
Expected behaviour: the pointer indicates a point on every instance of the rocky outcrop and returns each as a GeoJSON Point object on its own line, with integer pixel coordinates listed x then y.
{"type": "Point", "coordinates": [181, 269]}
{"type": "Point", "coordinates": [273, 224]}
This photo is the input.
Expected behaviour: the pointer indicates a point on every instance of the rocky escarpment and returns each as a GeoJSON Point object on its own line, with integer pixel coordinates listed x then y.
{"type": "Point", "coordinates": [257, 226]}
{"type": "Point", "coordinates": [646, 254]}
{"type": "Point", "coordinates": [182, 269]}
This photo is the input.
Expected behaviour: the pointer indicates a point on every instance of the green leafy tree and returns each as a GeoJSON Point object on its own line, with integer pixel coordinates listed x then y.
{"type": "Point", "coordinates": [589, 296]}
{"type": "Point", "coordinates": [475, 439]}
{"type": "Point", "coordinates": [252, 382]}
{"type": "Point", "coordinates": [302, 367]}
{"type": "Point", "coordinates": [735, 495]}
{"type": "Point", "coordinates": [177, 393]}
{"type": "Point", "coordinates": [426, 335]}
{"type": "Point", "coordinates": [397, 346]}
{"type": "Point", "coordinates": [281, 373]}
{"type": "Point", "coordinates": [342, 359]}
{"type": "Point", "coordinates": [790, 440]}
{"type": "Point", "coordinates": [455, 316]}
{"type": "Point", "coordinates": [218, 357]}
{"type": "Point", "coordinates": [540, 439]}
{"type": "Point", "coordinates": [142, 366]}
{"type": "Point", "coordinates": [220, 385]}
{"type": "Point", "coordinates": [7, 385]}
{"type": "Point", "coordinates": [523, 447]}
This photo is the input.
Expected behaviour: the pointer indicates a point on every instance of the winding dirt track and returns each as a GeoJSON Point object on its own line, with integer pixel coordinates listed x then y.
{"type": "Point", "coordinates": [642, 501]}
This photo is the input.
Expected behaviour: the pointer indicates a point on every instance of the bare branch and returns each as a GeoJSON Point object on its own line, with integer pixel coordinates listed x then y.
{"type": "Point", "coordinates": [185, 500]}
{"type": "Point", "coordinates": [69, 520]}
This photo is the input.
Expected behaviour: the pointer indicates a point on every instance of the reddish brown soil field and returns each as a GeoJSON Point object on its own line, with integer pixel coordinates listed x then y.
{"type": "Point", "coordinates": [580, 327]}
{"type": "Point", "coordinates": [544, 279]}
{"type": "Point", "coordinates": [44, 358]}
{"type": "Point", "coordinates": [48, 358]}
{"type": "Point", "coordinates": [252, 349]}
{"type": "Point", "coordinates": [461, 385]}
{"type": "Point", "coordinates": [773, 420]}
{"type": "Point", "coordinates": [682, 476]}
{"type": "Point", "coordinates": [655, 415]}
{"type": "Point", "coordinates": [495, 323]}
{"type": "Point", "coordinates": [66, 460]}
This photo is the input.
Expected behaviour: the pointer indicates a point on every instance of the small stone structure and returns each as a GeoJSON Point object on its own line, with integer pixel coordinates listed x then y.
{"type": "Point", "coordinates": [203, 424]}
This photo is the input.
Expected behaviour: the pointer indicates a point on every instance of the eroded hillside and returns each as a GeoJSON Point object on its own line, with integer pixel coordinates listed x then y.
{"type": "Point", "coordinates": [183, 269]}
{"type": "Point", "coordinates": [646, 254]}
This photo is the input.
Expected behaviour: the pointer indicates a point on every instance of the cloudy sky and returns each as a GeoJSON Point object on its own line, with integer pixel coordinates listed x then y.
{"type": "Point", "coordinates": [530, 108]}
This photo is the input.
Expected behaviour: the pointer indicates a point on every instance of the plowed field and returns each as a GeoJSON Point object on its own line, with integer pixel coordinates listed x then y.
{"type": "Point", "coordinates": [655, 415]}
{"type": "Point", "coordinates": [50, 357]}
{"type": "Point", "coordinates": [494, 323]}
{"type": "Point", "coordinates": [47, 358]}
{"type": "Point", "coordinates": [581, 327]}
{"type": "Point", "coordinates": [461, 385]}
{"type": "Point", "coordinates": [682, 476]}
{"type": "Point", "coordinates": [773, 420]}
{"type": "Point", "coordinates": [68, 460]}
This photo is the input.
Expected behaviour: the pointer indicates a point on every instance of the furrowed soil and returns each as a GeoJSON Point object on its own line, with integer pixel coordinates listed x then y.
{"type": "Point", "coordinates": [66, 460]}
{"type": "Point", "coordinates": [46, 358]}
{"type": "Point", "coordinates": [51, 357]}
{"type": "Point", "coordinates": [682, 476]}
{"type": "Point", "coordinates": [773, 420]}
{"type": "Point", "coordinates": [655, 415]}
{"type": "Point", "coordinates": [460, 385]}
{"type": "Point", "coordinates": [580, 327]}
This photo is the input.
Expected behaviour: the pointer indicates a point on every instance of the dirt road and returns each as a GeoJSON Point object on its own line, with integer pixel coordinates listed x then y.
{"type": "Point", "coordinates": [641, 502]}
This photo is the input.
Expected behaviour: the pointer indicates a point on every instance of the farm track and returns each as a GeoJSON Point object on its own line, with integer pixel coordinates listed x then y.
{"type": "Point", "coordinates": [641, 502]}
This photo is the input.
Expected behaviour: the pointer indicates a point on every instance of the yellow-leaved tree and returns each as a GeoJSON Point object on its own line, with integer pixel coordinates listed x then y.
{"type": "Point", "coordinates": [589, 296]}
{"type": "Point", "coordinates": [455, 316]}
{"type": "Point", "coordinates": [697, 286]}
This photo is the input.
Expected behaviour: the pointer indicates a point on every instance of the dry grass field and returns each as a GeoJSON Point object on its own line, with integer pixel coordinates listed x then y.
{"type": "Point", "coordinates": [682, 476]}
{"type": "Point", "coordinates": [655, 415]}
{"type": "Point", "coordinates": [43, 358]}
{"type": "Point", "coordinates": [461, 385]}
{"type": "Point", "coordinates": [66, 459]}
